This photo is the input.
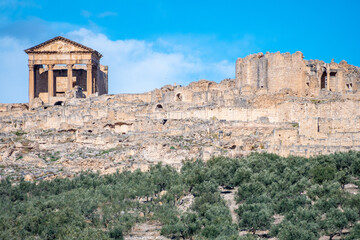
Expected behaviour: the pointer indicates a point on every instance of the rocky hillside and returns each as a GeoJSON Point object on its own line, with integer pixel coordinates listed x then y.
{"type": "Point", "coordinates": [171, 124]}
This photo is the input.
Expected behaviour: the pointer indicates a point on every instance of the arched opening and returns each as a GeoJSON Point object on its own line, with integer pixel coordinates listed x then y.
{"type": "Point", "coordinates": [323, 84]}
{"type": "Point", "coordinates": [178, 97]}
{"type": "Point", "coordinates": [59, 103]}
{"type": "Point", "coordinates": [159, 106]}
{"type": "Point", "coordinates": [349, 86]}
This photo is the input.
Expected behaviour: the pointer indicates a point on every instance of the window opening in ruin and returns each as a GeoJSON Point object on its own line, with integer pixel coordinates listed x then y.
{"type": "Point", "coordinates": [308, 84]}
{"type": "Point", "coordinates": [58, 103]}
{"type": "Point", "coordinates": [178, 97]}
{"type": "Point", "coordinates": [318, 124]}
{"type": "Point", "coordinates": [159, 106]}
{"type": "Point", "coordinates": [324, 80]}
{"type": "Point", "coordinates": [164, 121]}
{"type": "Point", "coordinates": [349, 86]}
{"type": "Point", "coordinates": [333, 74]}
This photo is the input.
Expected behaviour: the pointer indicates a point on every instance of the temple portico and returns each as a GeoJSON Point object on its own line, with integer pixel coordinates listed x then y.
{"type": "Point", "coordinates": [58, 65]}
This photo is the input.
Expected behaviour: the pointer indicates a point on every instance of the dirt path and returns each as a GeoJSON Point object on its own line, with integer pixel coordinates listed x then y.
{"type": "Point", "coordinates": [229, 196]}
{"type": "Point", "coordinates": [145, 231]}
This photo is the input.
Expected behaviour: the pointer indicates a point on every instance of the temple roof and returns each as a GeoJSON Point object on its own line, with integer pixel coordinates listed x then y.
{"type": "Point", "coordinates": [49, 47]}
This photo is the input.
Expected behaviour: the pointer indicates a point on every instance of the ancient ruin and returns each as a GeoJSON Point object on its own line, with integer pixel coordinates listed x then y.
{"type": "Point", "coordinates": [275, 71]}
{"type": "Point", "coordinates": [58, 65]}
{"type": "Point", "coordinates": [278, 103]}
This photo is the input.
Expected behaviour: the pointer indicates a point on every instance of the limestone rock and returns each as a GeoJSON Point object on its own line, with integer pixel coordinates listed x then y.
{"type": "Point", "coordinates": [29, 178]}
{"type": "Point", "coordinates": [235, 117]}
{"type": "Point", "coordinates": [37, 102]}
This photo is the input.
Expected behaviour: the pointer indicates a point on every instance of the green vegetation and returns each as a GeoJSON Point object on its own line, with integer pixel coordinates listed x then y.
{"type": "Point", "coordinates": [103, 152]}
{"type": "Point", "coordinates": [317, 101]}
{"type": "Point", "coordinates": [308, 193]}
{"type": "Point", "coordinates": [49, 156]}
{"type": "Point", "coordinates": [295, 124]}
{"type": "Point", "coordinates": [20, 133]}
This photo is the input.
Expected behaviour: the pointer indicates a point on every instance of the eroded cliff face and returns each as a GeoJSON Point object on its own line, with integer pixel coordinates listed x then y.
{"type": "Point", "coordinates": [171, 124]}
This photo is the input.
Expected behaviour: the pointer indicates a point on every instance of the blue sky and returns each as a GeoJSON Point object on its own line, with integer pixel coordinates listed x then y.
{"type": "Point", "coordinates": [148, 44]}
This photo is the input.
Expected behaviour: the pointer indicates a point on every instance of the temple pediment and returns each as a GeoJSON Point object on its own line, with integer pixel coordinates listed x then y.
{"type": "Point", "coordinates": [60, 45]}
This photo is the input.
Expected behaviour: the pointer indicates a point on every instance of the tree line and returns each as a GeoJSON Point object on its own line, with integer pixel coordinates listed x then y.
{"type": "Point", "coordinates": [308, 192]}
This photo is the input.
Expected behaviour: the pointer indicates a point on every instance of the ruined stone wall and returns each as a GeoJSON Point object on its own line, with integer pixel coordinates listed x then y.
{"type": "Point", "coordinates": [131, 131]}
{"type": "Point", "coordinates": [103, 80]}
{"type": "Point", "coordinates": [272, 71]}
{"type": "Point", "coordinates": [275, 72]}
{"type": "Point", "coordinates": [291, 114]}
{"type": "Point", "coordinates": [286, 71]}
{"type": "Point", "coordinates": [279, 123]}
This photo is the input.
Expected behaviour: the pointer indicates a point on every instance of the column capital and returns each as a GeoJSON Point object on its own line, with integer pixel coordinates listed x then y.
{"type": "Point", "coordinates": [89, 65]}
{"type": "Point", "coordinates": [69, 65]}
{"type": "Point", "coordinates": [51, 66]}
{"type": "Point", "coordinates": [31, 67]}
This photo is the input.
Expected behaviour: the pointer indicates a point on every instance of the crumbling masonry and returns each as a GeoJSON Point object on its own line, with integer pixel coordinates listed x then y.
{"type": "Point", "coordinates": [276, 71]}
{"type": "Point", "coordinates": [278, 103]}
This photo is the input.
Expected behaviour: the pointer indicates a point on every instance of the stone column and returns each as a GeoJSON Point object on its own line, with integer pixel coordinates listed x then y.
{"type": "Point", "coordinates": [328, 79]}
{"type": "Point", "coordinates": [97, 80]}
{"type": "Point", "coordinates": [50, 81]}
{"type": "Point", "coordinates": [31, 83]}
{"type": "Point", "coordinates": [89, 82]}
{"type": "Point", "coordinates": [70, 76]}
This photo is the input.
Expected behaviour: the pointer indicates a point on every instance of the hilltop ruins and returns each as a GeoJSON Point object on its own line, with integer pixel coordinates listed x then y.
{"type": "Point", "coordinates": [276, 71]}
{"type": "Point", "coordinates": [278, 103]}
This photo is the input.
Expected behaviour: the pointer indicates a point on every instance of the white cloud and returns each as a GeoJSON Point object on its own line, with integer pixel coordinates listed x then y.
{"type": "Point", "coordinates": [16, 3]}
{"type": "Point", "coordinates": [85, 13]}
{"type": "Point", "coordinates": [14, 70]}
{"type": "Point", "coordinates": [107, 14]}
{"type": "Point", "coordinates": [134, 65]}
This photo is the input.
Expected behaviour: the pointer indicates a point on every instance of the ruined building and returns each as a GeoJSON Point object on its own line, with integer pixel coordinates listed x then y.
{"type": "Point", "coordinates": [275, 71]}
{"type": "Point", "coordinates": [58, 65]}
{"type": "Point", "coordinates": [278, 103]}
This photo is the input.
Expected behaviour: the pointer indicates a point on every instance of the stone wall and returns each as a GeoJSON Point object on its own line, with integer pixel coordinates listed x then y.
{"type": "Point", "coordinates": [204, 119]}
{"type": "Point", "coordinates": [274, 72]}
{"type": "Point", "coordinates": [129, 131]}
{"type": "Point", "coordinates": [103, 80]}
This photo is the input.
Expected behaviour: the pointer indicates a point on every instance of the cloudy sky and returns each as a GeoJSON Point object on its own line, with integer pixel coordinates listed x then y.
{"type": "Point", "coordinates": [150, 43]}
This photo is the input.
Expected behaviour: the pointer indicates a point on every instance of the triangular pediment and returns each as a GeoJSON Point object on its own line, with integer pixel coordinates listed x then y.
{"type": "Point", "coordinates": [60, 45]}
